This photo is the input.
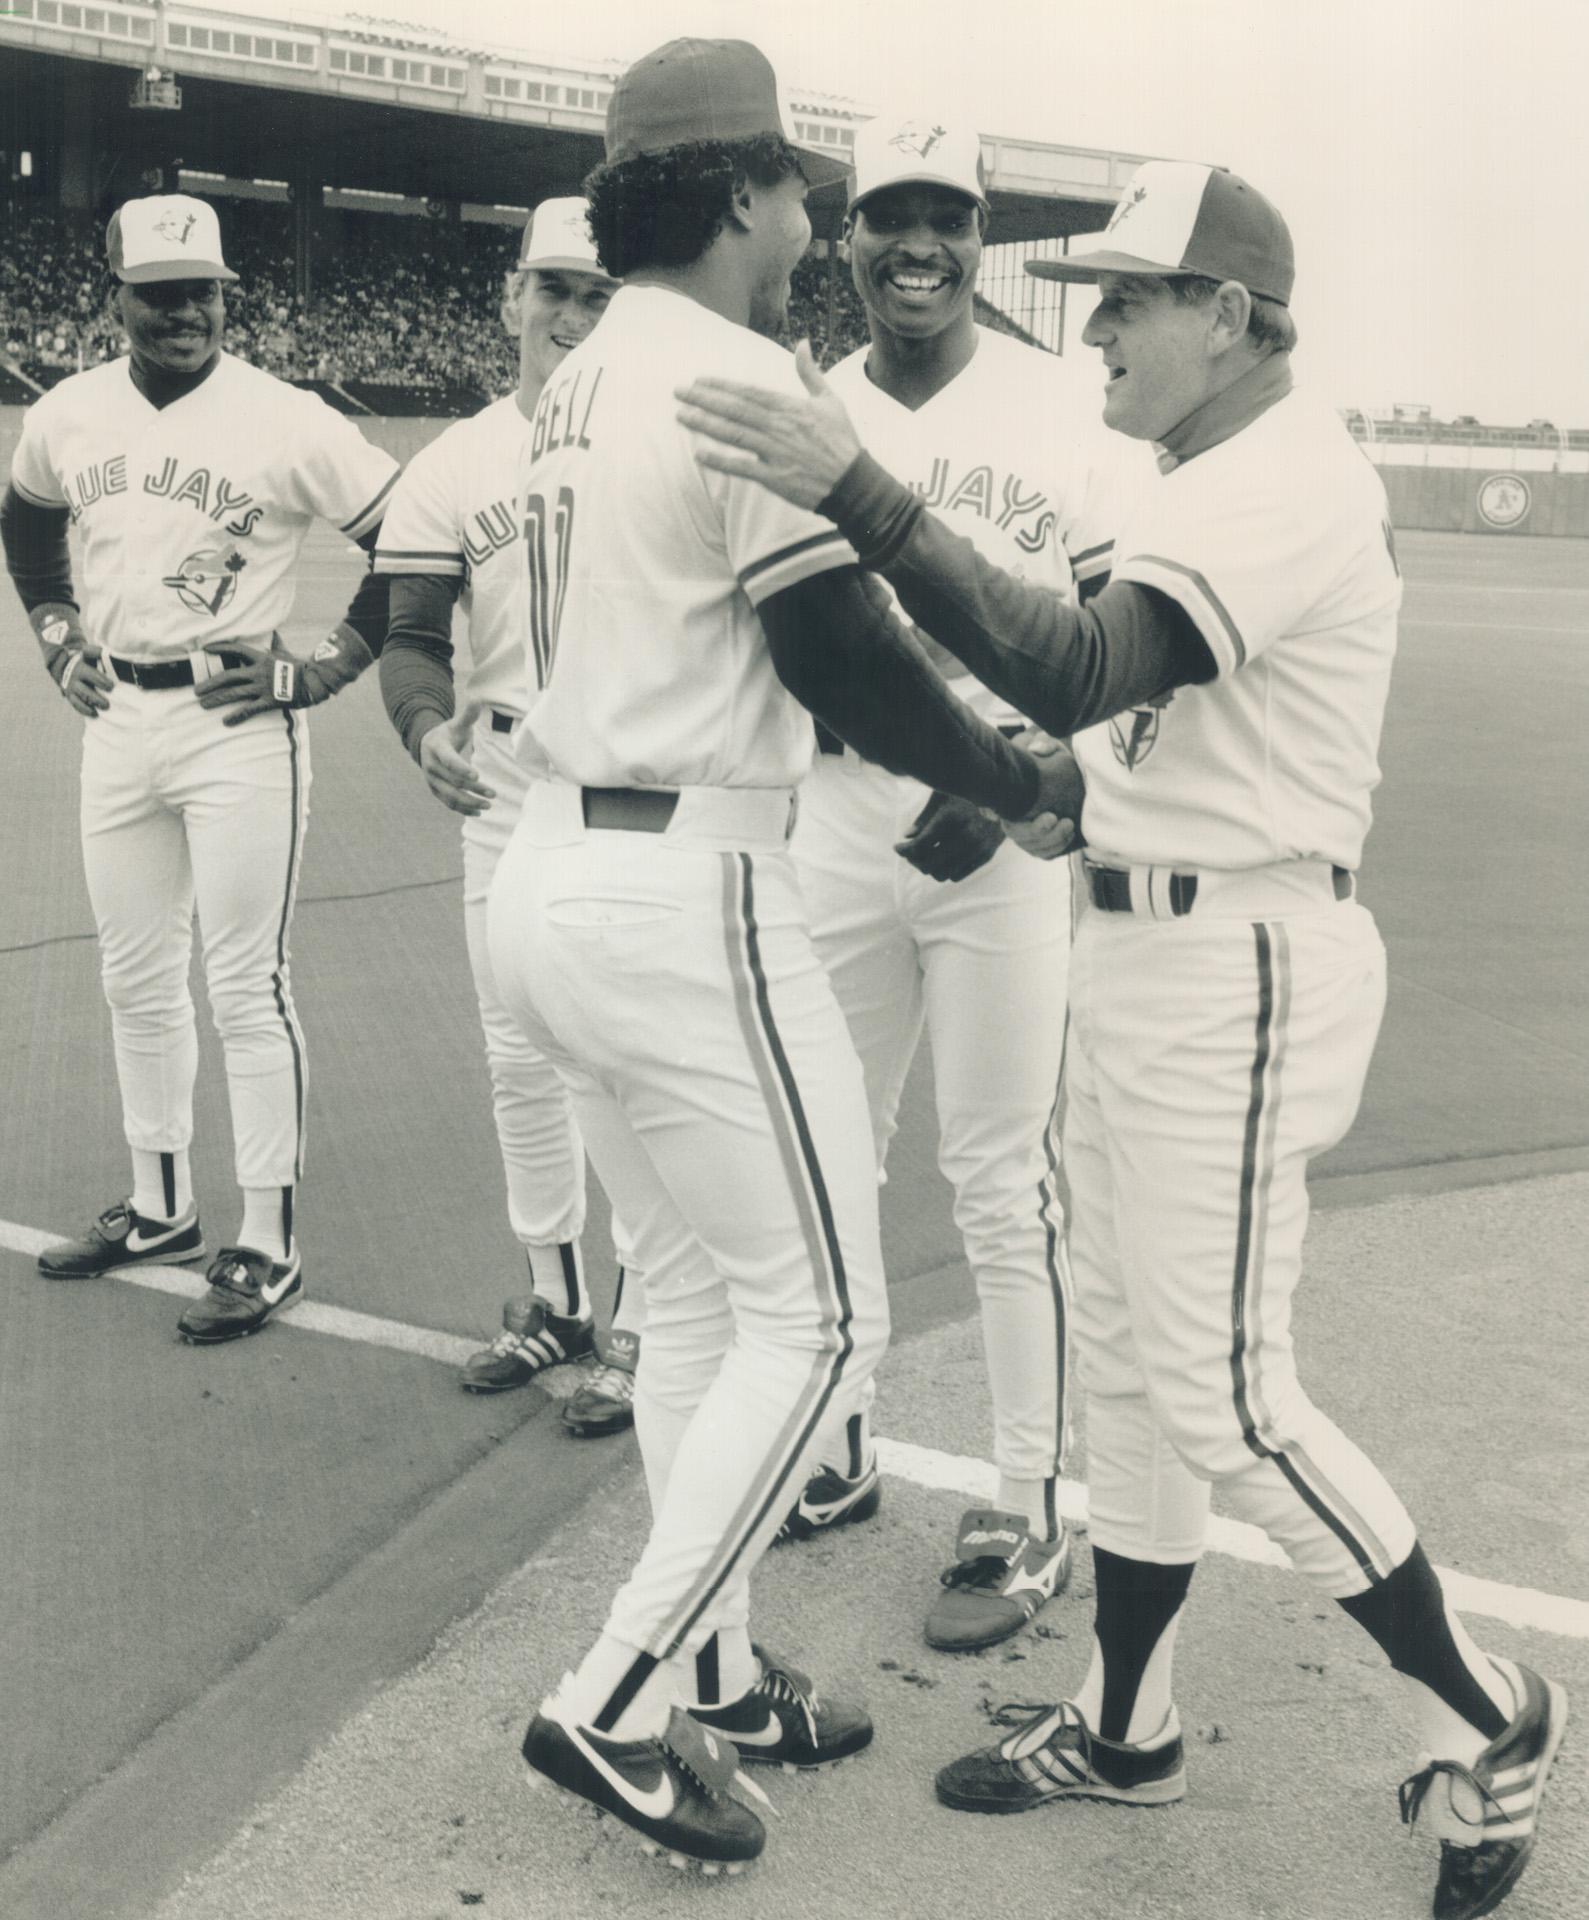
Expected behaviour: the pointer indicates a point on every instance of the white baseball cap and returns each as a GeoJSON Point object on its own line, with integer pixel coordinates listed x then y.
{"type": "Point", "coordinates": [168, 236]}
{"type": "Point", "coordinates": [890, 152]}
{"type": "Point", "coordinates": [1178, 217]}
{"type": "Point", "coordinates": [556, 237]}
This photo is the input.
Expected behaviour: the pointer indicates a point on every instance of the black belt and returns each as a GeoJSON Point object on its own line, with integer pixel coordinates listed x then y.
{"type": "Point", "coordinates": [1110, 888]}
{"type": "Point", "coordinates": [503, 722]}
{"type": "Point", "coordinates": [157, 675]}
{"type": "Point", "coordinates": [627, 809]}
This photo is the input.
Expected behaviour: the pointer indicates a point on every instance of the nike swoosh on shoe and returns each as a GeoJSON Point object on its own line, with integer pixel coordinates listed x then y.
{"type": "Point", "coordinates": [652, 1803]}
{"type": "Point", "coordinates": [764, 1736]}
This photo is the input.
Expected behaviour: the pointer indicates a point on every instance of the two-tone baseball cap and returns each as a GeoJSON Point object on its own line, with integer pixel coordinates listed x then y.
{"type": "Point", "coordinates": [557, 236]}
{"type": "Point", "coordinates": [890, 152]}
{"type": "Point", "coordinates": [1178, 217]}
{"type": "Point", "coordinates": [166, 236]}
{"type": "Point", "coordinates": [692, 90]}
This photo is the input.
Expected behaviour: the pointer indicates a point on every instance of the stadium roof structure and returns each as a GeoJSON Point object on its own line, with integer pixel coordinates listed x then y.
{"type": "Point", "coordinates": [355, 100]}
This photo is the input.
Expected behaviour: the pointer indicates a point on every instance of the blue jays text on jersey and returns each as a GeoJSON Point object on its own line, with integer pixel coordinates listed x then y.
{"type": "Point", "coordinates": [216, 496]}
{"type": "Point", "coordinates": [975, 491]}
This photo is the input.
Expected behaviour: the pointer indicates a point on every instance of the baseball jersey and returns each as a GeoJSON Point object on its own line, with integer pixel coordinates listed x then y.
{"type": "Point", "coordinates": [453, 514]}
{"type": "Point", "coordinates": [1277, 543]}
{"type": "Point", "coordinates": [190, 516]}
{"type": "Point", "coordinates": [1012, 453]}
{"type": "Point", "coordinates": [643, 570]}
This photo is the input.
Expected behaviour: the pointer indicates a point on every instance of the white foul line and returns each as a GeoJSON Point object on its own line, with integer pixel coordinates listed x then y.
{"type": "Point", "coordinates": [342, 1323]}
{"type": "Point", "coordinates": [923, 1466]}
{"type": "Point", "coordinates": [977, 1480]}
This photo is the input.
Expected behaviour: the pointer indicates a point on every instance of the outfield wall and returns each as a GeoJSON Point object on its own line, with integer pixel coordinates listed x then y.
{"type": "Point", "coordinates": [1489, 499]}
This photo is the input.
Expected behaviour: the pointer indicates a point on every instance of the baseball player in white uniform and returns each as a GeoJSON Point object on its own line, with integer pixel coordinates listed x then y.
{"type": "Point", "coordinates": [922, 912]}
{"type": "Point", "coordinates": [1226, 992]}
{"type": "Point", "coordinates": [451, 535]}
{"type": "Point", "coordinates": [191, 479]}
{"type": "Point", "coordinates": [646, 926]}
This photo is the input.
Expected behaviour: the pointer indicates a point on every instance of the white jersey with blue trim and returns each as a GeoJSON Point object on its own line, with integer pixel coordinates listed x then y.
{"type": "Point", "coordinates": [191, 515]}
{"type": "Point", "coordinates": [1012, 453]}
{"type": "Point", "coordinates": [643, 570]}
{"type": "Point", "coordinates": [454, 514]}
{"type": "Point", "coordinates": [1277, 543]}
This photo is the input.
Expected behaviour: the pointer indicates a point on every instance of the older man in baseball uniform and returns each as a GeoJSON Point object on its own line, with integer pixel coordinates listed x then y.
{"type": "Point", "coordinates": [646, 926]}
{"type": "Point", "coordinates": [923, 913]}
{"type": "Point", "coordinates": [451, 535]}
{"type": "Point", "coordinates": [1227, 989]}
{"type": "Point", "coordinates": [192, 478]}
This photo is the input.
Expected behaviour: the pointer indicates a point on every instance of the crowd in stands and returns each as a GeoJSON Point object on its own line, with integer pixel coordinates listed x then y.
{"type": "Point", "coordinates": [399, 301]}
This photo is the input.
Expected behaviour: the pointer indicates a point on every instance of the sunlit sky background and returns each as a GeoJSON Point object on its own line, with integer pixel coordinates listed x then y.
{"type": "Point", "coordinates": [1429, 154]}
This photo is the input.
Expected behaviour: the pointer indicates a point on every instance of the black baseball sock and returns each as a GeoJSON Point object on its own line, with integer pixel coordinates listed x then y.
{"type": "Point", "coordinates": [1406, 1614]}
{"type": "Point", "coordinates": [708, 1675]}
{"type": "Point", "coordinates": [1137, 1602]}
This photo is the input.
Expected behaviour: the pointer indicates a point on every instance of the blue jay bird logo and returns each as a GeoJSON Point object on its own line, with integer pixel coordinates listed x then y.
{"type": "Point", "coordinates": [206, 581]}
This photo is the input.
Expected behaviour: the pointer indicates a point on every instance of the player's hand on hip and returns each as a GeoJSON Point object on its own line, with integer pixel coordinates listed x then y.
{"type": "Point", "coordinates": [950, 838]}
{"type": "Point", "coordinates": [258, 686]}
{"type": "Point", "coordinates": [800, 446]}
{"type": "Point", "coordinates": [444, 756]}
{"type": "Point", "coordinates": [72, 659]}
{"type": "Point", "coordinates": [1053, 827]}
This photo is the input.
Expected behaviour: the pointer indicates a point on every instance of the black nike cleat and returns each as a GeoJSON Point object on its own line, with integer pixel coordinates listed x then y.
{"type": "Point", "coordinates": [246, 1288]}
{"type": "Point", "coordinates": [828, 1500]}
{"type": "Point", "coordinates": [780, 1722]}
{"type": "Point", "coordinates": [122, 1237]}
{"type": "Point", "coordinates": [673, 1790]}
{"type": "Point", "coordinates": [1486, 1816]}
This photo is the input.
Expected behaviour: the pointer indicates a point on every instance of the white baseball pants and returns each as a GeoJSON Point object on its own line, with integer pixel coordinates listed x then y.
{"type": "Point", "coordinates": [542, 1157]}
{"type": "Point", "coordinates": [1210, 1059]}
{"type": "Point", "coordinates": [671, 979]}
{"type": "Point", "coordinates": [982, 963]}
{"type": "Point", "coordinates": [177, 811]}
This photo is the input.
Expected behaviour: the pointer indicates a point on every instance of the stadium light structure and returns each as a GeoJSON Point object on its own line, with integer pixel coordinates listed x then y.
{"type": "Point", "coordinates": [155, 90]}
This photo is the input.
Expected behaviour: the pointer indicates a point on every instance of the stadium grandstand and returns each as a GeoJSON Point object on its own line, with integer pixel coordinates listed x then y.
{"type": "Point", "coordinates": [374, 269]}
{"type": "Point", "coordinates": [373, 176]}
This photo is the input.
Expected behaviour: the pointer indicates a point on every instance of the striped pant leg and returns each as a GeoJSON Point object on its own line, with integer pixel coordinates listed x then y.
{"type": "Point", "coordinates": [543, 1161]}
{"type": "Point", "coordinates": [1144, 1502]}
{"type": "Point", "coordinates": [140, 884]}
{"type": "Point", "coordinates": [1223, 1091]}
{"type": "Point", "coordinates": [686, 983]}
{"type": "Point", "coordinates": [995, 949]}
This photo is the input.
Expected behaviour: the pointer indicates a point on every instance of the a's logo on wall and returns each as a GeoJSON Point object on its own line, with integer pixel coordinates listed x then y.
{"type": "Point", "coordinates": [1135, 733]}
{"type": "Point", "coordinates": [175, 227]}
{"type": "Point", "coordinates": [1504, 500]}
{"type": "Point", "coordinates": [206, 581]}
{"type": "Point", "coordinates": [917, 139]}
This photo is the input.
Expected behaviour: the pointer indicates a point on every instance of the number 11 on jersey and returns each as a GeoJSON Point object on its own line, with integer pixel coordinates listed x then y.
{"type": "Point", "coordinates": [548, 582]}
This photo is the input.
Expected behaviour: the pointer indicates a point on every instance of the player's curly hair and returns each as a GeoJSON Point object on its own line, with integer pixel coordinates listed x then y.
{"type": "Point", "coordinates": [1270, 328]}
{"type": "Point", "coordinates": [665, 209]}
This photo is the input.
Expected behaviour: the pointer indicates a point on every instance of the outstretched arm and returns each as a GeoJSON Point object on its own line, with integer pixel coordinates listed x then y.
{"type": "Point", "coordinates": [1065, 666]}
{"type": "Point", "coordinates": [839, 650]}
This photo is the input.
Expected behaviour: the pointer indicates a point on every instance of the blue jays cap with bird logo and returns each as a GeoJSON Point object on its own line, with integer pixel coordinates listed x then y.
{"type": "Point", "coordinates": [166, 236]}
{"type": "Point", "coordinates": [1177, 217]}
{"type": "Point", "coordinates": [897, 153]}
